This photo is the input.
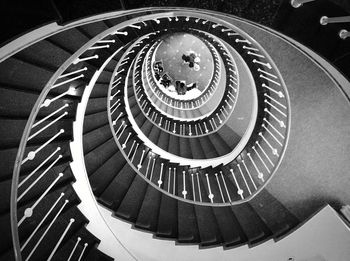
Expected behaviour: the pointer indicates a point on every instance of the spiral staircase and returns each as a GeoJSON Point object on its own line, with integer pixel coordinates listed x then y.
{"type": "Point", "coordinates": [88, 127]}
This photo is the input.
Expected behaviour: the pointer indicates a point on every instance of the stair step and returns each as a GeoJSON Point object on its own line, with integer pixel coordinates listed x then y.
{"type": "Point", "coordinates": [273, 213]}
{"type": "Point", "coordinates": [94, 121]}
{"type": "Point", "coordinates": [187, 223]}
{"type": "Point", "coordinates": [104, 175]}
{"type": "Point", "coordinates": [185, 150]}
{"type": "Point", "coordinates": [231, 232]}
{"type": "Point", "coordinates": [117, 189]}
{"type": "Point", "coordinates": [67, 247]}
{"type": "Point", "coordinates": [207, 225]}
{"type": "Point", "coordinates": [29, 77]}
{"type": "Point", "coordinates": [51, 239]}
{"type": "Point", "coordinates": [208, 147]}
{"type": "Point", "coordinates": [163, 140]}
{"type": "Point", "coordinates": [173, 145]}
{"type": "Point", "coordinates": [219, 144]}
{"type": "Point", "coordinates": [44, 54]}
{"type": "Point", "coordinates": [96, 137]}
{"type": "Point", "coordinates": [97, 255]}
{"type": "Point", "coordinates": [132, 202]}
{"type": "Point", "coordinates": [148, 215]}
{"type": "Point", "coordinates": [253, 227]}
{"type": "Point", "coordinates": [167, 220]}
{"type": "Point", "coordinates": [94, 159]}
{"type": "Point", "coordinates": [96, 105]}
{"type": "Point", "coordinates": [196, 148]}
{"type": "Point", "coordinates": [71, 39]}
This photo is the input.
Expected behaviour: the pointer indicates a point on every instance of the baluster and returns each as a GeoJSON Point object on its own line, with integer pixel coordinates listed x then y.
{"type": "Point", "coordinates": [217, 115]}
{"type": "Point", "coordinates": [67, 81]}
{"type": "Point", "coordinates": [270, 80]}
{"type": "Point", "coordinates": [82, 252]}
{"type": "Point", "coordinates": [239, 190]}
{"type": "Point", "coordinates": [120, 33]}
{"type": "Point", "coordinates": [274, 151]}
{"type": "Point", "coordinates": [200, 128]}
{"type": "Point", "coordinates": [31, 155]}
{"type": "Point", "coordinates": [174, 186]}
{"type": "Point", "coordinates": [47, 102]}
{"type": "Point", "coordinates": [223, 180]}
{"type": "Point", "coordinates": [268, 65]}
{"type": "Point", "coordinates": [268, 123]}
{"type": "Point", "coordinates": [257, 143]}
{"type": "Point", "coordinates": [217, 180]}
{"type": "Point", "coordinates": [184, 191]}
{"type": "Point", "coordinates": [211, 195]}
{"type": "Point", "coordinates": [199, 188]}
{"type": "Point", "coordinates": [37, 168]}
{"type": "Point", "coordinates": [71, 221]}
{"type": "Point", "coordinates": [38, 178]}
{"type": "Point", "coordinates": [205, 127]}
{"type": "Point", "coordinates": [250, 48]}
{"type": "Point", "coordinates": [29, 211]}
{"type": "Point", "coordinates": [298, 3]}
{"type": "Point", "coordinates": [273, 136]}
{"type": "Point", "coordinates": [135, 26]}
{"type": "Point", "coordinates": [263, 162]}
{"type": "Point", "coordinates": [98, 47]}
{"type": "Point", "coordinates": [73, 250]}
{"type": "Point", "coordinates": [47, 229]}
{"type": "Point", "coordinates": [137, 146]}
{"type": "Point", "coordinates": [132, 146]}
{"type": "Point", "coordinates": [281, 123]}
{"type": "Point", "coordinates": [169, 175]}
{"type": "Point", "coordinates": [42, 221]}
{"type": "Point", "coordinates": [331, 20]}
{"type": "Point", "coordinates": [115, 94]}
{"type": "Point", "coordinates": [71, 73]}
{"type": "Point", "coordinates": [244, 179]}
{"type": "Point", "coordinates": [343, 34]}
{"type": "Point", "coordinates": [149, 161]}
{"type": "Point", "coordinates": [115, 121]}
{"type": "Point", "coordinates": [260, 174]}
{"type": "Point", "coordinates": [139, 166]}
{"type": "Point", "coordinates": [250, 176]}
{"type": "Point", "coordinates": [275, 101]}
{"type": "Point", "coordinates": [106, 41]}
{"type": "Point", "coordinates": [193, 191]}
{"type": "Point", "coordinates": [121, 133]}
{"type": "Point", "coordinates": [160, 175]}
{"type": "Point", "coordinates": [152, 169]}
{"type": "Point", "coordinates": [78, 60]}
{"type": "Point", "coordinates": [242, 41]}
{"type": "Point", "coordinates": [48, 125]}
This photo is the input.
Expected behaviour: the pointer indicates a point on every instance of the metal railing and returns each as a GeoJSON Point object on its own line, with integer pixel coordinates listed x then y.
{"type": "Point", "coordinates": [249, 170]}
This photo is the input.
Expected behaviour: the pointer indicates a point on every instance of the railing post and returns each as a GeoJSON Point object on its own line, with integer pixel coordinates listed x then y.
{"type": "Point", "coordinates": [331, 20]}
{"type": "Point", "coordinates": [298, 3]}
{"type": "Point", "coordinates": [343, 34]}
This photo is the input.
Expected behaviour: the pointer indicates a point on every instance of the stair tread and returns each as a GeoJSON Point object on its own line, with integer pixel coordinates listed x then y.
{"type": "Point", "coordinates": [148, 215]}
{"type": "Point", "coordinates": [187, 224]}
{"type": "Point", "coordinates": [113, 195]}
{"type": "Point", "coordinates": [207, 226]}
{"type": "Point", "coordinates": [132, 201]}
